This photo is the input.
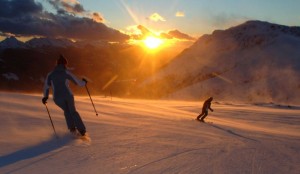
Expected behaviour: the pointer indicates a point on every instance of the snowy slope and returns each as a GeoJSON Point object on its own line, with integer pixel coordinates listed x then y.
{"type": "Point", "coordinates": [140, 136]}
{"type": "Point", "coordinates": [255, 62]}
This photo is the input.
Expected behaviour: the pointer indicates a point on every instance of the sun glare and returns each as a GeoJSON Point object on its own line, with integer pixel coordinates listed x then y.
{"type": "Point", "coordinates": [152, 42]}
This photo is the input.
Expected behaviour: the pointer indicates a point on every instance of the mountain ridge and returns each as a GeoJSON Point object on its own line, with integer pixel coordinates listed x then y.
{"type": "Point", "coordinates": [254, 61]}
{"type": "Point", "coordinates": [13, 42]}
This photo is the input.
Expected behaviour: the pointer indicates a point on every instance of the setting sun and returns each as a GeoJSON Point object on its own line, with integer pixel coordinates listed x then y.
{"type": "Point", "coordinates": [152, 42]}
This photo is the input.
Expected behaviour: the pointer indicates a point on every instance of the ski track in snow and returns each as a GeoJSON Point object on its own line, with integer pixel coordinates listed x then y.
{"type": "Point", "coordinates": [144, 136]}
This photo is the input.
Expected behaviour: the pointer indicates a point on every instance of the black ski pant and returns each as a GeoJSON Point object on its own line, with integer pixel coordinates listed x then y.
{"type": "Point", "coordinates": [72, 117]}
{"type": "Point", "coordinates": [202, 115]}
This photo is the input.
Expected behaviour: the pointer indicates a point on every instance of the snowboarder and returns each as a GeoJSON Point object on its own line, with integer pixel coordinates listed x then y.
{"type": "Point", "coordinates": [59, 80]}
{"type": "Point", "coordinates": [206, 106]}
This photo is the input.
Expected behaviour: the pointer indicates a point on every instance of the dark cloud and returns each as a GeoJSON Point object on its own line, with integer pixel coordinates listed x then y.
{"type": "Point", "coordinates": [75, 8]}
{"type": "Point", "coordinates": [27, 18]}
{"type": "Point", "coordinates": [176, 34]}
{"type": "Point", "coordinates": [64, 7]}
{"type": "Point", "coordinates": [97, 17]}
{"type": "Point", "coordinates": [18, 8]}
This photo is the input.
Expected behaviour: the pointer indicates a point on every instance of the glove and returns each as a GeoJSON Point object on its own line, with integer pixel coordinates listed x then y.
{"type": "Point", "coordinates": [44, 100]}
{"type": "Point", "coordinates": [83, 79]}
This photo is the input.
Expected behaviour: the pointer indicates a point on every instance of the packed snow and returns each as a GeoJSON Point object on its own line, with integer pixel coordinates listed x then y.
{"type": "Point", "coordinates": [133, 136]}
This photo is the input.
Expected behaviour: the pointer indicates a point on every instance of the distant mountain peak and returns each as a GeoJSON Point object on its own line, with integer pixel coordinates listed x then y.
{"type": "Point", "coordinates": [253, 61]}
{"type": "Point", "coordinates": [250, 34]}
{"type": "Point", "coordinates": [256, 26]}
{"type": "Point", "coordinates": [41, 42]}
{"type": "Point", "coordinates": [11, 42]}
{"type": "Point", "coordinates": [12, 38]}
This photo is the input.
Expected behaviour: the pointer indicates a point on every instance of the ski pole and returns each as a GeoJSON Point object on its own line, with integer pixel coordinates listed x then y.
{"type": "Point", "coordinates": [91, 98]}
{"type": "Point", "coordinates": [51, 120]}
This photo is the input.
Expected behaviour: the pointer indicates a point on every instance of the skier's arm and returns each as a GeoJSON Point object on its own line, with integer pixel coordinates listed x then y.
{"type": "Point", "coordinates": [75, 80]}
{"type": "Point", "coordinates": [47, 87]}
{"type": "Point", "coordinates": [210, 108]}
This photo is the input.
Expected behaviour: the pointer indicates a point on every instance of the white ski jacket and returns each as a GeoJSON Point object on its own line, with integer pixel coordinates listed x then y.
{"type": "Point", "coordinates": [59, 79]}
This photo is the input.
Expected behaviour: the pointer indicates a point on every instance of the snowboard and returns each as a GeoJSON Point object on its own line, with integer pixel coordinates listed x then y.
{"type": "Point", "coordinates": [208, 122]}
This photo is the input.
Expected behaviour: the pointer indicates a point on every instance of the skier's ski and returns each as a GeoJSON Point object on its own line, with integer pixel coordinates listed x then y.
{"type": "Point", "coordinates": [77, 135]}
{"type": "Point", "coordinates": [85, 138]}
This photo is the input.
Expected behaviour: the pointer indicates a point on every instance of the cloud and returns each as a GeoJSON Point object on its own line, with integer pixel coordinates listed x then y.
{"type": "Point", "coordinates": [28, 18]}
{"type": "Point", "coordinates": [67, 6]}
{"type": "Point", "coordinates": [133, 29]}
{"type": "Point", "coordinates": [139, 32]}
{"type": "Point", "coordinates": [156, 17]}
{"type": "Point", "coordinates": [177, 34]}
{"type": "Point", "coordinates": [166, 36]}
{"type": "Point", "coordinates": [144, 30]}
{"type": "Point", "coordinates": [75, 8]}
{"type": "Point", "coordinates": [17, 8]}
{"type": "Point", "coordinates": [180, 14]}
{"type": "Point", "coordinates": [97, 17]}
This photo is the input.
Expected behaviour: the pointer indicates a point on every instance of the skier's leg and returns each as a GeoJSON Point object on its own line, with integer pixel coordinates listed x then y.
{"type": "Point", "coordinates": [68, 117]}
{"type": "Point", "coordinates": [202, 113]}
{"type": "Point", "coordinates": [75, 115]}
{"type": "Point", "coordinates": [205, 114]}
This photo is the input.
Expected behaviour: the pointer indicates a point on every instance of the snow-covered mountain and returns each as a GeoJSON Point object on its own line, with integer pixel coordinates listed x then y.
{"type": "Point", "coordinates": [41, 42]}
{"type": "Point", "coordinates": [255, 61]}
{"type": "Point", "coordinates": [97, 44]}
{"type": "Point", "coordinates": [11, 42]}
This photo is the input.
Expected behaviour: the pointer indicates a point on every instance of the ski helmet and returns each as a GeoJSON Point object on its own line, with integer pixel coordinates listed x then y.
{"type": "Point", "coordinates": [61, 60]}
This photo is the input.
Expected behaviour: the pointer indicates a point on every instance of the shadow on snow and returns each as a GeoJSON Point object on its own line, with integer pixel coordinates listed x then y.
{"type": "Point", "coordinates": [30, 152]}
{"type": "Point", "coordinates": [232, 133]}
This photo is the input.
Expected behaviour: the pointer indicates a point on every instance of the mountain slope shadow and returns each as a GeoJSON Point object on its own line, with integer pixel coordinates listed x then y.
{"type": "Point", "coordinates": [44, 147]}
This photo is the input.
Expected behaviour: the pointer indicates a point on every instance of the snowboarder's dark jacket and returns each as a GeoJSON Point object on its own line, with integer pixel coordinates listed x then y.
{"type": "Point", "coordinates": [207, 104]}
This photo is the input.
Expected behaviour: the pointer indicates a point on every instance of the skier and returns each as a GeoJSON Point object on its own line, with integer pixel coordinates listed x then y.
{"type": "Point", "coordinates": [62, 95]}
{"type": "Point", "coordinates": [206, 106]}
